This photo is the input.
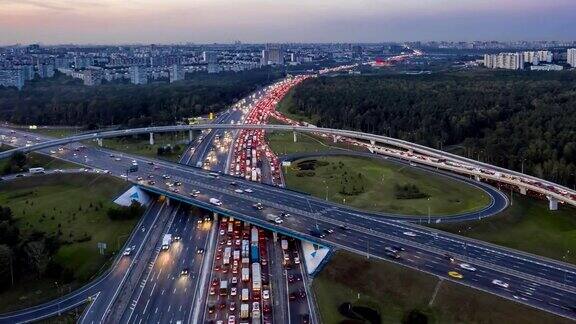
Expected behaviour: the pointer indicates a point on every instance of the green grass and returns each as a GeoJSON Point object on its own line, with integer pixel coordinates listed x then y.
{"type": "Point", "coordinates": [283, 143]}
{"type": "Point", "coordinates": [41, 160]}
{"type": "Point", "coordinates": [78, 203]}
{"type": "Point", "coordinates": [394, 291]}
{"type": "Point", "coordinates": [141, 145]}
{"type": "Point", "coordinates": [56, 132]}
{"type": "Point", "coordinates": [528, 226]}
{"type": "Point", "coordinates": [379, 179]}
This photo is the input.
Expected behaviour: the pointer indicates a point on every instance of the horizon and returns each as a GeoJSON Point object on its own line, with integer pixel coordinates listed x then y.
{"type": "Point", "coordinates": [89, 22]}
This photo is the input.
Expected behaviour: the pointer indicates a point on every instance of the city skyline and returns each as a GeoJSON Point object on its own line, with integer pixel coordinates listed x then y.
{"type": "Point", "coordinates": [256, 21]}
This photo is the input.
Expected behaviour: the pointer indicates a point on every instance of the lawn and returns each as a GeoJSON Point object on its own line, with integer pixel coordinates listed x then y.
{"type": "Point", "coordinates": [528, 226]}
{"type": "Point", "coordinates": [41, 160]}
{"type": "Point", "coordinates": [394, 291]}
{"type": "Point", "coordinates": [140, 145]}
{"type": "Point", "coordinates": [73, 207]}
{"type": "Point", "coordinates": [283, 143]}
{"type": "Point", "coordinates": [371, 184]}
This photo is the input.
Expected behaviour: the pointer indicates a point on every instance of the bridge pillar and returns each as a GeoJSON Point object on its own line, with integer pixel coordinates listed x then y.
{"type": "Point", "coordinates": [477, 177]}
{"type": "Point", "coordinates": [214, 216]}
{"type": "Point", "coordinates": [190, 136]}
{"type": "Point", "coordinates": [167, 201]}
{"type": "Point", "coordinates": [295, 138]}
{"type": "Point", "coordinates": [151, 138]}
{"type": "Point", "coordinates": [523, 190]}
{"type": "Point", "coordinates": [553, 203]}
{"type": "Point", "coordinates": [99, 140]}
{"type": "Point", "coordinates": [336, 138]}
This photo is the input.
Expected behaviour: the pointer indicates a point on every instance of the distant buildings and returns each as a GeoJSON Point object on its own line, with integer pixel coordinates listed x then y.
{"type": "Point", "coordinates": [45, 70]}
{"type": "Point", "coordinates": [12, 78]}
{"type": "Point", "coordinates": [81, 62]}
{"type": "Point", "coordinates": [138, 75]}
{"type": "Point", "coordinates": [92, 76]}
{"type": "Point", "coordinates": [176, 73]}
{"type": "Point", "coordinates": [273, 54]}
{"type": "Point", "coordinates": [571, 57]}
{"type": "Point", "coordinates": [211, 58]}
{"type": "Point", "coordinates": [515, 61]}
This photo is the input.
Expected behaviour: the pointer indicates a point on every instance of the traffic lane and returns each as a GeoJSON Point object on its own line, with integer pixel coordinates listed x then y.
{"type": "Point", "coordinates": [172, 294]}
{"type": "Point", "coordinates": [148, 282]}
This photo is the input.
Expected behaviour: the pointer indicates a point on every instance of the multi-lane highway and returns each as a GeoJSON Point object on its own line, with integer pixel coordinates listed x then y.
{"type": "Point", "coordinates": [549, 278]}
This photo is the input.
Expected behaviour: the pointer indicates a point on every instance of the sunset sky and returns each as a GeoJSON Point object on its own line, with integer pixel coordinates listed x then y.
{"type": "Point", "coordinates": [203, 21]}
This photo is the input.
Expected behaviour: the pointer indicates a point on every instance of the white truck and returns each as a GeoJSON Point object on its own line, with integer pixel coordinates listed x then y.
{"type": "Point", "coordinates": [166, 240]}
{"type": "Point", "coordinates": [256, 277]}
{"type": "Point", "coordinates": [244, 311]}
{"type": "Point", "coordinates": [245, 294]}
{"type": "Point", "coordinates": [36, 170]}
{"type": "Point", "coordinates": [284, 244]}
{"type": "Point", "coordinates": [215, 201]}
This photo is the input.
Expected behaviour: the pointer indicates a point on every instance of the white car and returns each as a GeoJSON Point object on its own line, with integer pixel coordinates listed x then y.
{"type": "Point", "coordinates": [128, 250]}
{"type": "Point", "coordinates": [411, 234]}
{"type": "Point", "coordinates": [466, 266]}
{"type": "Point", "coordinates": [266, 294]}
{"type": "Point", "coordinates": [500, 283]}
{"type": "Point", "coordinates": [278, 220]}
{"type": "Point", "coordinates": [248, 190]}
{"type": "Point", "coordinates": [233, 291]}
{"type": "Point", "coordinates": [239, 191]}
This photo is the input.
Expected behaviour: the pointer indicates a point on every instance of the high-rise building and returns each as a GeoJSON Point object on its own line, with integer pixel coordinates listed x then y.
{"type": "Point", "coordinates": [92, 76]}
{"type": "Point", "coordinates": [571, 57]}
{"type": "Point", "coordinates": [210, 57]}
{"type": "Point", "coordinates": [45, 70]}
{"type": "Point", "coordinates": [138, 75]}
{"type": "Point", "coordinates": [12, 78]}
{"type": "Point", "coordinates": [273, 54]}
{"type": "Point", "coordinates": [176, 73]}
{"type": "Point", "coordinates": [509, 61]}
{"type": "Point", "coordinates": [28, 71]}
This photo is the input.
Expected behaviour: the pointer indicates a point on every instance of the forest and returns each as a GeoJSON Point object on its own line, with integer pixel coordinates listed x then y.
{"type": "Point", "coordinates": [65, 101]}
{"type": "Point", "coordinates": [518, 120]}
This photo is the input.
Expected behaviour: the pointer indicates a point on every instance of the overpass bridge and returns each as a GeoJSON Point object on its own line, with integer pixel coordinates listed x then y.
{"type": "Point", "coordinates": [412, 152]}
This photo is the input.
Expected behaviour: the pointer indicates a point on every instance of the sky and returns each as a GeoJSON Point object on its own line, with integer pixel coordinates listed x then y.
{"type": "Point", "coordinates": [259, 21]}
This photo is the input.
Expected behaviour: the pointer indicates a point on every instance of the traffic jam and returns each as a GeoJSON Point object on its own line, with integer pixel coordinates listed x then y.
{"type": "Point", "coordinates": [250, 148]}
{"type": "Point", "coordinates": [239, 285]}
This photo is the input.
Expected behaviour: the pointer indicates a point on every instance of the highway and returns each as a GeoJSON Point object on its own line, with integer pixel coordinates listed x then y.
{"type": "Point", "coordinates": [551, 279]}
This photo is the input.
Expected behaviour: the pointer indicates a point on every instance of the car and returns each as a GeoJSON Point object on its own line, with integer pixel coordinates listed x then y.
{"type": "Point", "coordinates": [222, 232]}
{"type": "Point", "coordinates": [233, 291]}
{"type": "Point", "coordinates": [212, 291]}
{"type": "Point", "coordinates": [234, 280]}
{"type": "Point", "coordinates": [285, 215]}
{"type": "Point", "coordinates": [258, 206]}
{"type": "Point", "coordinates": [302, 294]}
{"type": "Point", "coordinates": [184, 272]}
{"type": "Point", "coordinates": [466, 266]}
{"type": "Point", "coordinates": [500, 283]}
{"type": "Point", "coordinates": [233, 183]}
{"type": "Point", "coordinates": [292, 296]}
{"type": "Point", "coordinates": [116, 159]}
{"type": "Point", "coordinates": [215, 282]}
{"type": "Point", "coordinates": [239, 191]}
{"type": "Point", "coordinates": [232, 306]}
{"type": "Point", "coordinates": [176, 237]}
{"type": "Point", "coordinates": [178, 183]}
{"type": "Point", "coordinates": [266, 294]}
{"type": "Point", "coordinates": [211, 309]}
{"type": "Point", "coordinates": [200, 251]}
{"type": "Point", "coordinates": [248, 190]}
{"type": "Point", "coordinates": [411, 234]}
{"type": "Point", "coordinates": [393, 255]}
{"type": "Point", "coordinates": [128, 250]}
{"type": "Point", "coordinates": [290, 278]}
{"type": "Point", "coordinates": [455, 274]}
{"type": "Point", "coordinates": [231, 319]}
{"type": "Point", "coordinates": [278, 220]}
{"type": "Point", "coordinates": [305, 319]}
